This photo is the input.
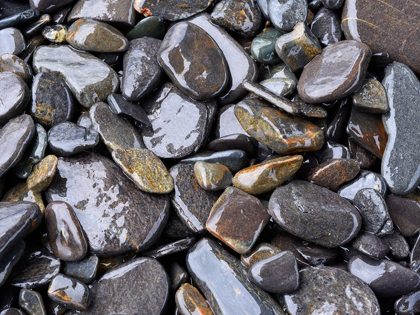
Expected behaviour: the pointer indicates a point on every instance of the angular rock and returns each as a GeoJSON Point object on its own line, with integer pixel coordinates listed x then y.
{"type": "Point", "coordinates": [69, 293]}
{"type": "Point", "coordinates": [43, 174]}
{"type": "Point", "coordinates": [405, 214]}
{"type": "Point", "coordinates": [14, 96]}
{"type": "Point", "coordinates": [11, 41]}
{"type": "Point", "coordinates": [189, 301]}
{"type": "Point", "coordinates": [212, 176]}
{"type": "Point", "coordinates": [371, 97]}
{"type": "Point", "coordinates": [152, 26]}
{"type": "Point", "coordinates": [263, 47]}
{"type": "Point", "coordinates": [285, 14]}
{"type": "Point", "coordinates": [31, 302]}
{"type": "Point", "coordinates": [365, 179]}
{"type": "Point", "coordinates": [326, 27]}
{"type": "Point", "coordinates": [371, 245]}
{"type": "Point", "coordinates": [84, 270]}
{"type": "Point", "coordinates": [234, 160]}
{"type": "Point", "coordinates": [12, 63]}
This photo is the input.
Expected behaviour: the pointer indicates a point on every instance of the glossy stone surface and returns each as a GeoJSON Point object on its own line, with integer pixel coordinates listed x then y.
{"type": "Point", "coordinates": [88, 87]}
{"type": "Point", "coordinates": [365, 21]}
{"type": "Point", "coordinates": [326, 27]}
{"type": "Point", "coordinates": [12, 63]}
{"type": "Point", "coordinates": [84, 270]}
{"type": "Point", "coordinates": [364, 157]}
{"type": "Point", "coordinates": [371, 245]}
{"type": "Point", "coordinates": [43, 174]}
{"type": "Point", "coordinates": [365, 179]}
{"type": "Point", "coordinates": [55, 33]}
{"type": "Point", "coordinates": [233, 142]}
{"type": "Point", "coordinates": [69, 293]}
{"type": "Point", "coordinates": [268, 175]}
{"type": "Point", "coordinates": [31, 302]}
{"type": "Point", "coordinates": [314, 254]}
{"type": "Point", "coordinates": [12, 41]}
{"type": "Point", "coordinates": [400, 161]}
{"type": "Point", "coordinates": [280, 86]}
{"type": "Point", "coordinates": [152, 26]}
{"type": "Point", "coordinates": [144, 169]}
{"type": "Point", "coordinates": [9, 260]}
{"type": "Point", "coordinates": [46, 6]}
{"type": "Point", "coordinates": [212, 268]}
{"type": "Point", "coordinates": [141, 70]}
{"type": "Point", "coordinates": [316, 295]}
{"type": "Point", "coordinates": [314, 213]}
{"type": "Point", "coordinates": [120, 106]}
{"type": "Point", "coordinates": [116, 216]}
{"type": "Point", "coordinates": [14, 96]}
{"type": "Point", "coordinates": [336, 73]}
{"type": "Point", "coordinates": [234, 160]}
{"type": "Point", "coordinates": [279, 131]}
{"type": "Point", "coordinates": [415, 256]}
{"type": "Point", "coordinates": [285, 14]}
{"type": "Point", "coordinates": [260, 252]}
{"type": "Point", "coordinates": [20, 17]}
{"type": "Point", "coordinates": [212, 176]}
{"type": "Point", "coordinates": [398, 245]}
{"type": "Point", "coordinates": [371, 97]}
{"type": "Point", "coordinates": [20, 192]}
{"type": "Point", "coordinates": [298, 47]}
{"type": "Point", "coordinates": [191, 202]}
{"type": "Point", "coordinates": [12, 311]}
{"type": "Point", "coordinates": [227, 123]}
{"type": "Point", "coordinates": [408, 304]}
{"type": "Point", "coordinates": [332, 150]}
{"type": "Point", "coordinates": [263, 48]}
{"type": "Point", "coordinates": [405, 214]}
{"type": "Point", "coordinates": [190, 301]}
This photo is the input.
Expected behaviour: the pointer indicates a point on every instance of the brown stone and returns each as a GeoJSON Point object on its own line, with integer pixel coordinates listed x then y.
{"type": "Point", "coordinates": [43, 174]}
{"type": "Point", "coordinates": [212, 176]}
{"type": "Point", "coordinates": [262, 251]}
{"type": "Point", "coordinates": [190, 301]}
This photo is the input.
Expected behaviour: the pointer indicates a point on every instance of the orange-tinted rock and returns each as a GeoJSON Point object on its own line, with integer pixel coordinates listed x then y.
{"type": "Point", "coordinates": [262, 251]}
{"type": "Point", "coordinates": [190, 301]}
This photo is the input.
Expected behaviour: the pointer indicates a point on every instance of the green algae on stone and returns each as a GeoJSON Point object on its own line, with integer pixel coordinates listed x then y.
{"type": "Point", "coordinates": [212, 176]}
{"type": "Point", "coordinates": [43, 174]}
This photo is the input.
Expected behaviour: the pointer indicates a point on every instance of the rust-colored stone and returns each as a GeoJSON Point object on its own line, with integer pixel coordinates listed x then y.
{"type": "Point", "coordinates": [190, 301]}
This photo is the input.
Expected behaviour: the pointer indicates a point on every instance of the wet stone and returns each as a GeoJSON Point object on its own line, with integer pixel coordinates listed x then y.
{"type": "Point", "coordinates": [371, 245]}
{"type": "Point", "coordinates": [11, 41]}
{"type": "Point", "coordinates": [9, 260]}
{"type": "Point", "coordinates": [177, 274]}
{"type": "Point", "coordinates": [333, 4]}
{"type": "Point", "coordinates": [285, 14]}
{"type": "Point", "coordinates": [334, 172]}
{"type": "Point", "coordinates": [268, 175]}
{"type": "Point", "coordinates": [11, 311]}
{"type": "Point", "coordinates": [314, 214]}
{"type": "Point", "coordinates": [46, 6]}
{"type": "Point", "coordinates": [84, 270]}
{"type": "Point", "coordinates": [171, 248]}
{"type": "Point", "coordinates": [227, 123]}
{"type": "Point", "coordinates": [398, 245]}
{"type": "Point", "coordinates": [190, 301]}
{"type": "Point", "coordinates": [365, 179]}
{"type": "Point", "coordinates": [242, 17]}
{"type": "Point", "coordinates": [212, 176]}
{"type": "Point", "coordinates": [144, 169]}
{"type": "Point", "coordinates": [405, 214]}
{"type": "Point", "coordinates": [152, 26]}
{"type": "Point", "coordinates": [88, 87]}
{"type": "Point", "coordinates": [364, 157]}
{"type": "Point", "coordinates": [263, 48]}
{"type": "Point", "coordinates": [201, 80]}
{"type": "Point", "coordinates": [336, 129]}
{"type": "Point", "coordinates": [69, 293]}
{"type": "Point", "coordinates": [316, 294]}
{"type": "Point", "coordinates": [276, 71]}
{"type": "Point", "coordinates": [14, 96]}
{"type": "Point", "coordinates": [234, 160]}
{"type": "Point", "coordinates": [43, 174]}
{"type": "Point", "coordinates": [175, 228]}
{"type": "Point", "coordinates": [336, 73]}
{"type": "Point", "coordinates": [55, 33]}
{"type": "Point", "coordinates": [18, 18]}
{"type": "Point", "coordinates": [326, 27]}
{"type": "Point", "coordinates": [31, 302]}
{"type": "Point", "coordinates": [52, 101]}
{"type": "Point", "coordinates": [21, 192]}
{"type": "Point", "coordinates": [408, 304]}
{"type": "Point", "coordinates": [12, 63]}
{"type": "Point", "coordinates": [261, 252]}
{"type": "Point", "coordinates": [386, 278]}
{"type": "Point", "coordinates": [212, 267]}
{"type": "Point", "coordinates": [371, 97]}
{"type": "Point", "coordinates": [237, 219]}
{"type": "Point", "coordinates": [280, 86]}
{"type": "Point", "coordinates": [85, 121]}
{"type": "Point", "coordinates": [298, 47]}
{"type": "Point", "coordinates": [191, 202]}
{"type": "Point", "coordinates": [233, 142]}
{"type": "Point", "coordinates": [415, 257]}
{"type": "Point", "coordinates": [37, 26]}
{"type": "Point", "coordinates": [67, 139]}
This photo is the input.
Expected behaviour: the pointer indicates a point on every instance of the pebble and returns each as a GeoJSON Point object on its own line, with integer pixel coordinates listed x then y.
{"type": "Point", "coordinates": [316, 295]}
{"type": "Point", "coordinates": [69, 293]}
{"type": "Point", "coordinates": [415, 257]}
{"type": "Point", "coordinates": [55, 33]}
{"type": "Point", "coordinates": [141, 70]}
{"type": "Point", "coordinates": [177, 275]}
{"type": "Point", "coordinates": [18, 18]}
{"type": "Point", "coordinates": [212, 176]}
{"type": "Point", "coordinates": [9, 260]}
{"type": "Point", "coordinates": [120, 106]}
{"type": "Point", "coordinates": [326, 27]}
{"type": "Point", "coordinates": [46, 6]}
{"type": "Point", "coordinates": [11, 311]}
{"type": "Point", "coordinates": [365, 179]}
{"type": "Point", "coordinates": [144, 169]}
{"type": "Point", "coordinates": [233, 142]}
{"type": "Point", "coordinates": [226, 122]}
{"type": "Point", "coordinates": [152, 26]}
{"type": "Point", "coordinates": [175, 228]}
{"type": "Point", "coordinates": [43, 174]}
{"type": "Point", "coordinates": [405, 214]}
{"type": "Point", "coordinates": [333, 150]}
{"type": "Point", "coordinates": [234, 160]}
{"type": "Point", "coordinates": [371, 245]}
{"type": "Point", "coordinates": [371, 97]}
{"type": "Point", "coordinates": [84, 270]}
{"type": "Point", "coordinates": [260, 252]}
{"type": "Point", "coordinates": [315, 254]}
{"type": "Point", "coordinates": [336, 73]}
{"type": "Point", "coordinates": [14, 96]}
{"type": "Point", "coordinates": [397, 244]}
{"type": "Point", "coordinates": [280, 86]}
{"type": "Point", "coordinates": [408, 304]}
{"type": "Point", "coordinates": [268, 175]}
{"type": "Point", "coordinates": [364, 157]}
{"type": "Point", "coordinates": [305, 209]}
{"type": "Point", "coordinates": [171, 248]}
{"type": "Point", "coordinates": [190, 301]}
{"type": "Point", "coordinates": [12, 63]}
{"type": "Point", "coordinates": [263, 47]}
{"type": "Point", "coordinates": [21, 192]}
{"type": "Point", "coordinates": [31, 302]}
{"type": "Point", "coordinates": [285, 14]}
{"type": "Point", "coordinates": [336, 129]}
{"type": "Point", "coordinates": [12, 41]}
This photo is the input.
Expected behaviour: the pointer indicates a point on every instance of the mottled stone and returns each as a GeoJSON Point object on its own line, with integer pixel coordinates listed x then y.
{"type": "Point", "coordinates": [371, 245]}
{"type": "Point", "coordinates": [171, 248]}
{"type": "Point", "coordinates": [398, 245]}
{"type": "Point", "coordinates": [285, 14]}
{"type": "Point", "coordinates": [405, 214]}
{"type": "Point", "coordinates": [144, 169]}
{"type": "Point", "coordinates": [190, 301]}
{"type": "Point", "coordinates": [14, 96]}
{"type": "Point", "coordinates": [116, 216]}
{"type": "Point", "coordinates": [21, 192]}
{"type": "Point", "coordinates": [69, 293]}
{"type": "Point", "coordinates": [408, 304]}
{"type": "Point", "coordinates": [326, 27]}
{"type": "Point", "coordinates": [31, 302]}
{"type": "Point", "coordinates": [12, 63]}
{"type": "Point", "coordinates": [371, 97]}
{"type": "Point", "coordinates": [212, 176]}
{"type": "Point", "coordinates": [317, 295]}
{"type": "Point", "coordinates": [336, 73]}
{"type": "Point", "coordinates": [55, 33]}
{"type": "Point", "coordinates": [11, 41]}
{"type": "Point", "coordinates": [263, 47]}
{"type": "Point", "coordinates": [365, 179]}
{"type": "Point", "coordinates": [43, 174]}
{"type": "Point", "coordinates": [84, 270]}
{"type": "Point", "coordinates": [152, 26]}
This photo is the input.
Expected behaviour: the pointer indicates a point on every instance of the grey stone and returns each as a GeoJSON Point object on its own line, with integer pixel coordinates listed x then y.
{"type": "Point", "coordinates": [285, 14]}
{"type": "Point", "coordinates": [11, 41]}
{"type": "Point", "coordinates": [326, 27]}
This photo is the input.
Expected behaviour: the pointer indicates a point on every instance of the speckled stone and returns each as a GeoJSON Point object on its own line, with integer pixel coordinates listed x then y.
{"type": "Point", "coordinates": [55, 33]}
{"type": "Point", "coordinates": [43, 174]}
{"type": "Point", "coordinates": [326, 27]}
{"type": "Point", "coordinates": [314, 213]}
{"type": "Point", "coordinates": [371, 97]}
{"type": "Point", "coordinates": [316, 294]}
{"type": "Point", "coordinates": [21, 192]}
{"type": "Point", "coordinates": [12, 63]}
{"type": "Point", "coordinates": [260, 252]}
{"type": "Point", "coordinates": [31, 302]}
{"type": "Point", "coordinates": [371, 245]}
{"type": "Point", "coordinates": [144, 169]}
{"type": "Point", "coordinates": [9, 260]}
{"type": "Point", "coordinates": [263, 47]}
{"type": "Point", "coordinates": [285, 14]}
{"type": "Point", "coordinates": [234, 160]}
{"type": "Point", "coordinates": [365, 179]}
{"type": "Point", "coordinates": [69, 293]}
{"type": "Point", "coordinates": [212, 176]}
{"type": "Point", "coordinates": [190, 301]}
{"type": "Point", "coordinates": [212, 267]}
{"type": "Point", "coordinates": [152, 26]}
{"type": "Point", "coordinates": [84, 270]}
{"type": "Point", "coordinates": [405, 214]}
{"type": "Point", "coordinates": [14, 96]}
{"type": "Point", "coordinates": [11, 41]}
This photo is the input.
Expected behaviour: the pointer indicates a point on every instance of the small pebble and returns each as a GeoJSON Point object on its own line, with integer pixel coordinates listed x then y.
{"type": "Point", "coordinates": [212, 176]}
{"type": "Point", "coordinates": [69, 293]}
{"type": "Point", "coordinates": [43, 174]}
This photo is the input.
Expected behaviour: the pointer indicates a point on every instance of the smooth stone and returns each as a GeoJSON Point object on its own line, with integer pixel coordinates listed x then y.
{"type": "Point", "coordinates": [55, 33]}
{"type": "Point", "coordinates": [121, 13]}
{"type": "Point", "coordinates": [65, 234]}
{"type": "Point", "coordinates": [69, 293]}
{"type": "Point", "coordinates": [316, 295]}
{"type": "Point", "coordinates": [12, 311]}
{"type": "Point", "coordinates": [234, 55]}
{"type": "Point", "coordinates": [268, 175]}
{"type": "Point", "coordinates": [212, 176]}
{"type": "Point", "coordinates": [397, 244]}
{"type": "Point", "coordinates": [116, 216]}
{"type": "Point", "coordinates": [326, 27]}
{"type": "Point", "coordinates": [285, 14]}
{"type": "Point", "coordinates": [314, 214]}
{"type": "Point", "coordinates": [365, 179]}
{"type": "Point", "coordinates": [9, 260]}
{"type": "Point", "coordinates": [178, 123]}
{"type": "Point", "coordinates": [211, 267]}
{"type": "Point", "coordinates": [408, 304]}
{"type": "Point", "coordinates": [52, 101]}
{"type": "Point", "coordinates": [84, 270]}
{"type": "Point", "coordinates": [191, 202]}
{"type": "Point", "coordinates": [14, 96]}
{"type": "Point", "coordinates": [119, 105]}
{"type": "Point", "coordinates": [415, 257]}
{"type": "Point", "coordinates": [190, 301]}
{"type": "Point", "coordinates": [37, 26]}
{"type": "Point", "coordinates": [43, 174]}
{"type": "Point", "coordinates": [85, 121]}
{"type": "Point", "coordinates": [11, 41]}
{"type": "Point", "coordinates": [333, 150]}
{"type": "Point", "coordinates": [263, 47]}
{"type": "Point", "coordinates": [21, 17]}
{"type": "Point", "coordinates": [379, 25]}
{"type": "Point", "coordinates": [276, 71]}
{"type": "Point", "coordinates": [242, 17]}
{"type": "Point", "coordinates": [336, 73]}
{"type": "Point", "coordinates": [386, 278]}
{"type": "Point", "coordinates": [144, 169]}
{"type": "Point", "coordinates": [333, 4]}
{"type": "Point", "coordinates": [67, 138]}
{"type": "Point", "coordinates": [263, 4]}
{"type": "Point", "coordinates": [177, 274]}
{"type": "Point", "coordinates": [371, 245]}
{"type": "Point", "coordinates": [227, 124]}
{"type": "Point", "coordinates": [152, 26]}
{"type": "Point", "coordinates": [31, 302]}
{"type": "Point", "coordinates": [60, 16]}
{"type": "Point", "coordinates": [279, 86]}
{"type": "Point", "coordinates": [364, 157]}
{"type": "Point", "coordinates": [13, 64]}
{"type": "Point", "coordinates": [314, 254]}
{"type": "Point", "coordinates": [336, 130]}
{"type": "Point", "coordinates": [233, 142]}
{"type": "Point", "coordinates": [21, 192]}
{"type": "Point", "coordinates": [9, 296]}
{"type": "Point", "coordinates": [237, 219]}
{"type": "Point", "coordinates": [176, 228]}
{"type": "Point", "coordinates": [234, 160]}
{"type": "Point", "coordinates": [260, 252]}
{"type": "Point", "coordinates": [201, 80]}
{"type": "Point", "coordinates": [277, 130]}
{"type": "Point", "coordinates": [171, 248]}
{"type": "Point", "coordinates": [32, 45]}
{"type": "Point", "coordinates": [88, 87]}
{"type": "Point", "coordinates": [400, 166]}
{"type": "Point", "coordinates": [36, 268]}
{"type": "Point", "coordinates": [298, 47]}
{"type": "Point", "coordinates": [405, 214]}
{"type": "Point", "coordinates": [371, 97]}
{"type": "Point", "coordinates": [332, 173]}
{"type": "Point", "coordinates": [46, 6]}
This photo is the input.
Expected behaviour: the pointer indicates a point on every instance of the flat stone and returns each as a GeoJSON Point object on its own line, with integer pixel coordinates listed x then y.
{"type": "Point", "coordinates": [326, 27]}
{"type": "Point", "coordinates": [69, 293]}
{"type": "Point", "coordinates": [144, 169]}
{"type": "Point", "coordinates": [234, 160]}
{"type": "Point", "coordinates": [405, 214]}
{"type": "Point", "coordinates": [31, 302]}
{"type": "Point", "coordinates": [84, 270]}
{"type": "Point", "coordinates": [314, 254]}
{"type": "Point", "coordinates": [212, 176]}
{"type": "Point", "coordinates": [371, 245]}
{"type": "Point", "coordinates": [371, 97]}
{"type": "Point", "coordinates": [21, 192]}
{"type": "Point", "coordinates": [263, 47]}
{"type": "Point", "coordinates": [314, 214]}
{"type": "Point", "coordinates": [408, 304]}
{"type": "Point", "coordinates": [120, 106]}
{"type": "Point", "coordinates": [14, 96]}
{"type": "Point", "coordinates": [398, 245]}
{"type": "Point", "coordinates": [336, 73]}
{"type": "Point", "coordinates": [141, 70]}
{"type": "Point", "coordinates": [191, 202]}
{"type": "Point", "coordinates": [178, 123]}
{"type": "Point", "coordinates": [9, 260]}
{"type": "Point", "coordinates": [316, 294]}
{"type": "Point", "coordinates": [171, 248]}
{"type": "Point", "coordinates": [279, 131]}
{"type": "Point", "coordinates": [88, 87]}
{"type": "Point", "coordinates": [379, 25]}
{"type": "Point", "coordinates": [334, 172]}
{"type": "Point", "coordinates": [237, 219]}
{"type": "Point", "coordinates": [365, 179]}
{"type": "Point", "coordinates": [12, 41]}
{"type": "Point", "coordinates": [116, 216]}
{"type": "Point", "coordinates": [43, 174]}
{"type": "Point", "coordinates": [12, 63]}
{"type": "Point", "coordinates": [285, 14]}
{"type": "Point", "coordinates": [280, 86]}
{"type": "Point", "coordinates": [189, 301]}
{"type": "Point", "coordinates": [399, 163]}
{"type": "Point", "coordinates": [386, 278]}
{"type": "Point", "coordinates": [233, 142]}
{"type": "Point", "coordinates": [212, 267]}
{"type": "Point", "coordinates": [268, 175]}
{"type": "Point", "coordinates": [152, 26]}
